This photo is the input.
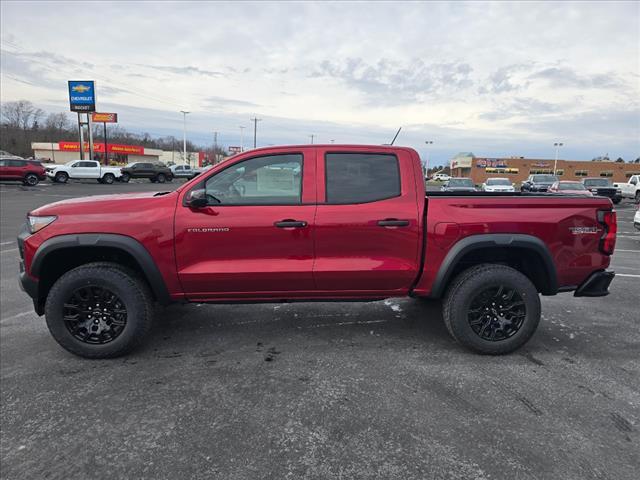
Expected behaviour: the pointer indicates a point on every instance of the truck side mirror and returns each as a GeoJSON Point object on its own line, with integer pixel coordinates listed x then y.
{"type": "Point", "coordinates": [197, 198]}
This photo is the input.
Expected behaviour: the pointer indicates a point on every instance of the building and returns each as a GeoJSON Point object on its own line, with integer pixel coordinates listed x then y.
{"type": "Point", "coordinates": [62, 152]}
{"type": "Point", "coordinates": [518, 169]}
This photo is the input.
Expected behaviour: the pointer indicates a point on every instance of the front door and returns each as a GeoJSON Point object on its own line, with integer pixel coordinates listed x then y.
{"type": "Point", "coordinates": [254, 236]}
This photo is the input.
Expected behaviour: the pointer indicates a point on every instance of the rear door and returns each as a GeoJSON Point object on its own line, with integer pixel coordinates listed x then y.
{"type": "Point", "coordinates": [254, 238]}
{"type": "Point", "coordinates": [367, 239]}
{"type": "Point", "coordinates": [90, 169]}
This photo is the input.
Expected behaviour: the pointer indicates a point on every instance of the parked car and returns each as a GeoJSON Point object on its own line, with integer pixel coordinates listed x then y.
{"type": "Point", "coordinates": [441, 177]}
{"type": "Point", "coordinates": [29, 172]}
{"type": "Point", "coordinates": [497, 185]}
{"type": "Point", "coordinates": [184, 171]}
{"type": "Point", "coordinates": [604, 188]}
{"type": "Point", "coordinates": [568, 187]}
{"type": "Point", "coordinates": [538, 183]}
{"type": "Point", "coordinates": [630, 189]}
{"type": "Point", "coordinates": [82, 170]}
{"type": "Point", "coordinates": [247, 231]}
{"type": "Point", "coordinates": [459, 184]}
{"type": "Point", "coordinates": [636, 218]}
{"type": "Point", "coordinates": [153, 171]}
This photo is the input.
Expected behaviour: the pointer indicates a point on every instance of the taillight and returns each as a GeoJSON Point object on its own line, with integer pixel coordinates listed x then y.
{"type": "Point", "coordinates": [608, 240]}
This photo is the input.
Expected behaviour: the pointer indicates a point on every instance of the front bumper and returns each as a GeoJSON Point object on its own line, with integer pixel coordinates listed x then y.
{"type": "Point", "coordinates": [597, 285]}
{"type": "Point", "coordinates": [28, 284]}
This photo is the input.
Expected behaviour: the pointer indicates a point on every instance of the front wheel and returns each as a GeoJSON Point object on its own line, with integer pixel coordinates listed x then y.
{"type": "Point", "coordinates": [31, 179]}
{"type": "Point", "coordinates": [492, 309]}
{"type": "Point", "coordinates": [638, 196]}
{"type": "Point", "coordinates": [125, 178]}
{"type": "Point", "coordinates": [161, 178]}
{"type": "Point", "coordinates": [99, 310]}
{"type": "Point", "coordinates": [62, 177]}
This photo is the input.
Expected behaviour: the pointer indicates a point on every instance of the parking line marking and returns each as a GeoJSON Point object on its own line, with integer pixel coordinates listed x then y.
{"type": "Point", "coordinates": [6, 243]}
{"type": "Point", "coordinates": [10, 250]}
{"type": "Point", "coordinates": [620, 250]}
{"type": "Point", "coordinates": [627, 275]}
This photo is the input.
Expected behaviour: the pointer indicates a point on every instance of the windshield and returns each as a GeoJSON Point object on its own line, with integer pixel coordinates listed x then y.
{"type": "Point", "coordinates": [498, 181]}
{"type": "Point", "coordinates": [597, 182]}
{"type": "Point", "coordinates": [460, 182]}
{"type": "Point", "coordinates": [571, 186]}
{"type": "Point", "coordinates": [545, 178]}
{"type": "Point", "coordinates": [71, 162]}
{"type": "Point", "coordinates": [129, 165]}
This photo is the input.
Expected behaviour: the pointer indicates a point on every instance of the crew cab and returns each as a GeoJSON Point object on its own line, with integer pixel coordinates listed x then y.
{"type": "Point", "coordinates": [305, 223]}
{"type": "Point", "coordinates": [83, 170]}
{"type": "Point", "coordinates": [29, 172]}
{"type": "Point", "coordinates": [630, 189]}
{"type": "Point", "coordinates": [153, 171]}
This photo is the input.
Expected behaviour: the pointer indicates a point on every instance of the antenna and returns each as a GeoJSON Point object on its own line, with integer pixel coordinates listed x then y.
{"type": "Point", "coordinates": [394, 138]}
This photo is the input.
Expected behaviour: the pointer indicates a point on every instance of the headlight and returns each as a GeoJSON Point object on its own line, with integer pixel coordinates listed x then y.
{"type": "Point", "coordinates": [38, 223]}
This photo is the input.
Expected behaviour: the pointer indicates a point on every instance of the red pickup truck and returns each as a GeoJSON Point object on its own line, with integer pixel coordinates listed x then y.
{"type": "Point", "coordinates": [312, 222]}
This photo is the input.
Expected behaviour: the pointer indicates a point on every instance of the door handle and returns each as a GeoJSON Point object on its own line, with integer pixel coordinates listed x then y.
{"type": "Point", "coordinates": [393, 222]}
{"type": "Point", "coordinates": [288, 223]}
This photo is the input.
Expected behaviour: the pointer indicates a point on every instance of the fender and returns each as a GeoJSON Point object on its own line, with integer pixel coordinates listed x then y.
{"type": "Point", "coordinates": [121, 242]}
{"type": "Point", "coordinates": [501, 240]}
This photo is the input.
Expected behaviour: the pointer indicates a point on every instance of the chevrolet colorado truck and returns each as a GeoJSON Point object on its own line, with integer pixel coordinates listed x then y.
{"type": "Point", "coordinates": [630, 189]}
{"type": "Point", "coordinates": [305, 223]}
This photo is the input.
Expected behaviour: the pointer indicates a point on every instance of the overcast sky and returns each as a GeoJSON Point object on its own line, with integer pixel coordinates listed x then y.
{"type": "Point", "coordinates": [497, 79]}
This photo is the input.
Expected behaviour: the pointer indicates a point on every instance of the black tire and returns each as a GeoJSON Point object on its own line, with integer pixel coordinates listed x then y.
{"type": "Point", "coordinates": [133, 297]}
{"type": "Point", "coordinates": [638, 196]}
{"type": "Point", "coordinates": [30, 180]}
{"type": "Point", "coordinates": [62, 177]}
{"type": "Point", "coordinates": [616, 201]}
{"type": "Point", "coordinates": [100, 180]}
{"type": "Point", "coordinates": [125, 178]}
{"type": "Point", "coordinates": [108, 178]}
{"type": "Point", "coordinates": [161, 178]}
{"type": "Point", "coordinates": [169, 178]}
{"type": "Point", "coordinates": [475, 285]}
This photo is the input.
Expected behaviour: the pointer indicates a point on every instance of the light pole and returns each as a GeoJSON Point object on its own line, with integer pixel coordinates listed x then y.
{"type": "Point", "coordinates": [241, 138]}
{"type": "Point", "coordinates": [184, 135]}
{"type": "Point", "coordinates": [215, 147]}
{"type": "Point", "coordinates": [426, 171]}
{"type": "Point", "coordinates": [255, 121]}
{"type": "Point", "coordinates": [312, 137]}
{"type": "Point", "coordinates": [555, 163]}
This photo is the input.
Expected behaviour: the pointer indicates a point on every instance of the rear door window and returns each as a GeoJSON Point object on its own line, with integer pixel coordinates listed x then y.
{"type": "Point", "coordinates": [361, 177]}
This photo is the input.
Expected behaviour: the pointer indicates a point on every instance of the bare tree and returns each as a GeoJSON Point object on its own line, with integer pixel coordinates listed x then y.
{"type": "Point", "coordinates": [57, 121]}
{"type": "Point", "coordinates": [21, 114]}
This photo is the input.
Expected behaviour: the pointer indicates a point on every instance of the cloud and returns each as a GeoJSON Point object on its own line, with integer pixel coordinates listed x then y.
{"type": "Point", "coordinates": [390, 82]}
{"type": "Point", "coordinates": [563, 77]}
{"type": "Point", "coordinates": [521, 107]}
{"type": "Point", "coordinates": [185, 70]}
{"type": "Point", "coordinates": [222, 103]}
{"type": "Point", "coordinates": [502, 80]}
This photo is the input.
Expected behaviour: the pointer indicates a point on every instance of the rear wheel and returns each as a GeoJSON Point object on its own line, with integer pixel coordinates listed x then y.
{"type": "Point", "coordinates": [30, 179]}
{"type": "Point", "coordinates": [62, 177]}
{"type": "Point", "coordinates": [99, 310]}
{"type": "Point", "coordinates": [492, 309]}
{"type": "Point", "coordinates": [108, 178]}
{"type": "Point", "coordinates": [161, 178]}
{"type": "Point", "coordinates": [638, 196]}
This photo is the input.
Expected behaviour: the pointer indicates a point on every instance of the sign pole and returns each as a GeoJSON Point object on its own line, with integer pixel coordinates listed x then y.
{"type": "Point", "coordinates": [106, 155]}
{"type": "Point", "coordinates": [81, 136]}
{"type": "Point", "coordinates": [90, 126]}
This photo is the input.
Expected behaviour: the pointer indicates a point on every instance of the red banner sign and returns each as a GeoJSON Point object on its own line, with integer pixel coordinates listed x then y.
{"type": "Point", "coordinates": [104, 117]}
{"type": "Point", "coordinates": [99, 148]}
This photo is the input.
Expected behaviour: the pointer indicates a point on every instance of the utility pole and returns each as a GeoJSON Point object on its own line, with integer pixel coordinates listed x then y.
{"type": "Point", "coordinates": [426, 170]}
{"type": "Point", "coordinates": [312, 137]}
{"type": "Point", "coordinates": [242, 138]}
{"type": "Point", "coordinates": [184, 136]}
{"type": "Point", "coordinates": [255, 121]}
{"type": "Point", "coordinates": [555, 163]}
{"type": "Point", "coordinates": [215, 147]}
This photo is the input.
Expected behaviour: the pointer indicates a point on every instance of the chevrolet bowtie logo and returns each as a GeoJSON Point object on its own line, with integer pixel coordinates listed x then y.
{"type": "Point", "coordinates": [80, 88]}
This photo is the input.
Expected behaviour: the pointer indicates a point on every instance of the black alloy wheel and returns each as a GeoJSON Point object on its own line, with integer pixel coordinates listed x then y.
{"type": "Point", "coordinates": [94, 314]}
{"type": "Point", "coordinates": [497, 313]}
{"type": "Point", "coordinates": [31, 179]}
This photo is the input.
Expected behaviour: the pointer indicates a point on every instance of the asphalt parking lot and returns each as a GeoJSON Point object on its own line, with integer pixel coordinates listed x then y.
{"type": "Point", "coordinates": [322, 390]}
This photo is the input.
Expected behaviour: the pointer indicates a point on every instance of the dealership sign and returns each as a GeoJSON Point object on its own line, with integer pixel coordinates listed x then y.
{"type": "Point", "coordinates": [104, 117]}
{"type": "Point", "coordinates": [99, 148]}
{"type": "Point", "coordinates": [82, 95]}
